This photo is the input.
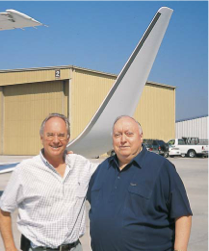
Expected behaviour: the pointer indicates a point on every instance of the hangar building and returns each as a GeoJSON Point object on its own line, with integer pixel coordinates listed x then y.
{"type": "Point", "coordinates": [27, 96]}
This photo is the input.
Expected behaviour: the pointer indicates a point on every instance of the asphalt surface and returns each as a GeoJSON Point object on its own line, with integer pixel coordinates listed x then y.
{"type": "Point", "coordinates": [194, 173]}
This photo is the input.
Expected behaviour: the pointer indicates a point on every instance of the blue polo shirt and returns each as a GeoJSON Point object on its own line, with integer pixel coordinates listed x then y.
{"type": "Point", "coordinates": [135, 209]}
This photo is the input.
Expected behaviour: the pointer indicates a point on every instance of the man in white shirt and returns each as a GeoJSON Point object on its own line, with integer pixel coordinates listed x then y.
{"type": "Point", "coordinates": [49, 191]}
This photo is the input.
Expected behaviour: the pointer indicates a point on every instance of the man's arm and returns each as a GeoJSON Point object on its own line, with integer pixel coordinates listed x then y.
{"type": "Point", "coordinates": [6, 231]}
{"type": "Point", "coordinates": [182, 232]}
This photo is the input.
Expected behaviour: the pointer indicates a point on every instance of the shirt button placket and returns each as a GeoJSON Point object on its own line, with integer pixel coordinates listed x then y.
{"type": "Point", "coordinates": [117, 181]}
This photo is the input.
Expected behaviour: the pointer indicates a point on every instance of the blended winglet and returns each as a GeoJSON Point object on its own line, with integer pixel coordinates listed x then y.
{"type": "Point", "coordinates": [126, 91]}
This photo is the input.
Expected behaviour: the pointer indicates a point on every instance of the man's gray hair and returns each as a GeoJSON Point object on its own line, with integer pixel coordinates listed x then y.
{"type": "Point", "coordinates": [127, 116]}
{"type": "Point", "coordinates": [55, 115]}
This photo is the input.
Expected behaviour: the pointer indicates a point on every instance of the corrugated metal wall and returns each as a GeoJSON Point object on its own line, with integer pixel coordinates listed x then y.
{"type": "Point", "coordinates": [156, 112]}
{"type": "Point", "coordinates": [156, 109]}
{"type": "Point", "coordinates": [88, 90]}
{"type": "Point", "coordinates": [78, 94]}
{"type": "Point", "coordinates": [30, 76]}
{"type": "Point", "coordinates": [197, 127]}
{"type": "Point", "coordinates": [25, 107]}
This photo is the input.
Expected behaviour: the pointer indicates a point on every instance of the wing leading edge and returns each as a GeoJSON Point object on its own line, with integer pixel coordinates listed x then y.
{"type": "Point", "coordinates": [13, 19]}
{"type": "Point", "coordinates": [126, 91]}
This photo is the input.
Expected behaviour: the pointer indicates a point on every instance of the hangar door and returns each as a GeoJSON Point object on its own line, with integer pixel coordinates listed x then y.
{"type": "Point", "coordinates": [25, 107]}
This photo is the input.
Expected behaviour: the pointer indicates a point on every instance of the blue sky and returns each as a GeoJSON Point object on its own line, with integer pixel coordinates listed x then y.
{"type": "Point", "coordinates": [102, 35]}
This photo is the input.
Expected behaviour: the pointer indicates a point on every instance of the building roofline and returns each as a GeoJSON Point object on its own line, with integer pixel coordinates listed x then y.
{"type": "Point", "coordinates": [197, 117]}
{"type": "Point", "coordinates": [77, 68]}
{"type": "Point", "coordinates": [160, 84]}
{"type": "Point", "coordinates": [54, 68]}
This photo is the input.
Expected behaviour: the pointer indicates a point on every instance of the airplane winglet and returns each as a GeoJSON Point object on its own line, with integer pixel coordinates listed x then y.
{"type": "Point", "coordinates": [126, 91]}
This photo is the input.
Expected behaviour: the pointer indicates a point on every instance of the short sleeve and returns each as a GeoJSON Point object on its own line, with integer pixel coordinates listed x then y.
{"type": "Point", "coordinates": [13, 193]}
{"type": "Point", "coordinates": [175, 192]}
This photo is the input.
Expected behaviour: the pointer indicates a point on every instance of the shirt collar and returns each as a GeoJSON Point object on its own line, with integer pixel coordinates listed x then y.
{"type": "Point", "coordinates": [46, 162]}
{"type": "Point", "coordinates": [139, 159]}
{"type": "Point", "coordinates": [43, 158]}
{"type": "Point", "coordinates": [48, 165]}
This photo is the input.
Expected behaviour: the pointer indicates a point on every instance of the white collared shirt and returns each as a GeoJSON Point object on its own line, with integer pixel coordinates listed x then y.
{"type": "Point", "coordinates": [51, 207]}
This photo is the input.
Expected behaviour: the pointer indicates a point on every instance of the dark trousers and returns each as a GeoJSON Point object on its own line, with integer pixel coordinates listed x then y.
{"type": "Point", "coordinates": [25, 243]}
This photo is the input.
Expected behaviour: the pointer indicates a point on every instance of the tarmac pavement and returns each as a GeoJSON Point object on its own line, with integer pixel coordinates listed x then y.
{"type": "Point", "coordinates": [194, 173]}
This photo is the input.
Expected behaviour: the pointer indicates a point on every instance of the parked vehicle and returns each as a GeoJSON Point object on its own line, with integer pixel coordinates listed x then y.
{"type": "Point", "coordinates": [174, 151]}
{"type": "Point", "coordinates": [111, 152]}
{"type": "Point", "coordinates": [188, 146]}
{"type": "Point", "coordinates": [157, 146]}
{"type": "Point", "coordinates": [150, 147]}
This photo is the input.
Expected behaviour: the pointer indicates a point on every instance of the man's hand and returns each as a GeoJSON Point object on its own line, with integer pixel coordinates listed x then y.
{"type": "Point", "coordinates": [69, 152]}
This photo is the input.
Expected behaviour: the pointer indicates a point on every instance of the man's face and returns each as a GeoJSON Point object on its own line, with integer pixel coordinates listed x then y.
{"type": "Point", "coordinates": [54, 138]}
{"type": "Point", "coordinates": [127, 139]}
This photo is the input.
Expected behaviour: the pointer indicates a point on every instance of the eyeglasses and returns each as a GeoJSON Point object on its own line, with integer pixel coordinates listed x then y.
{"type": "Point", "coordinates": [60, 136]}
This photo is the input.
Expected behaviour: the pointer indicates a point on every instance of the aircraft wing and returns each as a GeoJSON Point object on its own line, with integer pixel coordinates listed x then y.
{"type": "Point", "coordinates": [125, 93]}
{"type": "Point", "coordinates": [13, 19]}
{"type": "Point", "coordinates": [6, 168]}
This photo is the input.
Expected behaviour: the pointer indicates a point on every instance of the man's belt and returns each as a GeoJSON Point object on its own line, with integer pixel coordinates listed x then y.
{"type": "Point", "coordinates": [64, 247]}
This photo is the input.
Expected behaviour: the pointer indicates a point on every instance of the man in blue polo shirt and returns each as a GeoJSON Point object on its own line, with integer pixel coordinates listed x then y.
{"type": "Point", "coordinates": [138, 201]}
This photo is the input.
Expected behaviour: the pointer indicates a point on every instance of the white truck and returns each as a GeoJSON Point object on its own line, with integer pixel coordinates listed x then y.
{"type": "Point", "coordinates": [190, 147]}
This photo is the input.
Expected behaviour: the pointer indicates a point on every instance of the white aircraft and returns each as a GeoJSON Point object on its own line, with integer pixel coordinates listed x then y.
{"type": "Point", "coordinates": [124, 94]}
{"type": "Point", "coordinates": [126, 91]}
{"type": "Point", "coordinates": [9, 20]}
{"type": "Point", "coordinates": [13, 19]}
